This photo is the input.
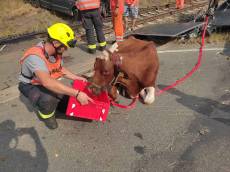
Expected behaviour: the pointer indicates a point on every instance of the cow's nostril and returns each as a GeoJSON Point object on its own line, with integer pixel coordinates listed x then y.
{"type": "Point", "coordinates": [90, 87]}
{"type": "Point", "coordinates": [95, 91]}
{"type": "Point", "coordinates": [90, 79]}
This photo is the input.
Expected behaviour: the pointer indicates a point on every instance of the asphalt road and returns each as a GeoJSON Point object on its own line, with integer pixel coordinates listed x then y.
{"type": "Point", "coordinates": [185, 130]}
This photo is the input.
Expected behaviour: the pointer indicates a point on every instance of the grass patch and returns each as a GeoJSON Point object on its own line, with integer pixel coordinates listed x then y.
{"type": "Point", "coordinates": [212, 39]}
{"type": "Point", "coordinates": [218, 37]}
{"type": "Point", "coordinates": [18, 17]}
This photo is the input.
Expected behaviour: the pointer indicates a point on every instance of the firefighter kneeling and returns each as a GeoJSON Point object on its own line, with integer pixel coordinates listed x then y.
{"type": "Point", "coordinates": [41, 66]}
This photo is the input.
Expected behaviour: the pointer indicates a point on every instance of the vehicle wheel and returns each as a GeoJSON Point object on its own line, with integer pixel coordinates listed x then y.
{"type": "Point", "coordinates": [76, 15]}
{"type": "Point", "coordinates": [35, 3]}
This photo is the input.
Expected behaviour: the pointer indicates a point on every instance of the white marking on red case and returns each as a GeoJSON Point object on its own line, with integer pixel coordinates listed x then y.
{"type": "Point", "coordinates": [73, 106]}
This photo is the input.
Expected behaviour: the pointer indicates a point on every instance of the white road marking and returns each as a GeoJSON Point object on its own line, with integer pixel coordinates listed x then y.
{"type": "Point", "coordinates": [190, 50]}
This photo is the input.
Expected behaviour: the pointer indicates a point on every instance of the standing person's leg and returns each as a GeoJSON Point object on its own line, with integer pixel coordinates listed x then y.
{"type": "Point", "coordinates": [177, 4]}
{"type": "Point", "coordinates": [118, 27]}
{"type": "Point", "coordinates": [134, 11]}
{"type": "Point", "coordinates": [44, 101]}
{"type": "Point", "coordinates": [87, 23]}
{"type": "Point", "coordinates": [181, 4]}
{"type": "Point", "coordinates": [98, 25]}
{"type": "Point", "coordinates": [126, 15]}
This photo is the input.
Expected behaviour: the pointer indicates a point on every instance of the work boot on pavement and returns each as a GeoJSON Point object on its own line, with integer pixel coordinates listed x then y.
{"type": "Point", "coordinates": [51, 122]}
{"type": "Point", "coordinates": [92, 51]}
{"type": "Point", "coordinates": [102, 48]}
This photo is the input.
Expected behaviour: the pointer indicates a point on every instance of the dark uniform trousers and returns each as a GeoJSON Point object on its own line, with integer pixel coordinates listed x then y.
{"type": "Point", "coordinates": [44, 100]}
{"type": "Point", "coordinates": [91, 19]}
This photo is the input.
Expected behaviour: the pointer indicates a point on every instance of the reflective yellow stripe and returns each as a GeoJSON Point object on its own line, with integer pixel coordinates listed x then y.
{"type": "Point", "coordinates": [94, 46]}
{"type": "Point", "coordinates": [102, 44]}
{"type": "Point", "coordinates": [46, 116]}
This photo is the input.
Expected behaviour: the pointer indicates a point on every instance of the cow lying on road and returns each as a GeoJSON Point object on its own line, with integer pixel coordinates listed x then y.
{"type": "Point", "coordinates": [133, 64]}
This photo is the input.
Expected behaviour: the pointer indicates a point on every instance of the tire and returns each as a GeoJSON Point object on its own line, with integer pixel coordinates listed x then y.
{"type": "Point", "coordinates": [76, 15]}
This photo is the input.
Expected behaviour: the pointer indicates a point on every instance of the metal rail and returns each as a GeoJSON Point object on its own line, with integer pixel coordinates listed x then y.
{"type": "Point", "coordinates": [147, 15]}
{"type": "Point", "coordinates": [162, 14]}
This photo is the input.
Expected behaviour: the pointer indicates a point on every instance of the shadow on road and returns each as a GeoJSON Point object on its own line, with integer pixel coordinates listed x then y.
{"type": "Point", "coordinates": [60, 112]}
{"type": "Point", "coordinates": [226, 50]}
{"type": "Point", "coordinates": [202, 105]}
{"type": "Point", "coordinates": [12, 158]}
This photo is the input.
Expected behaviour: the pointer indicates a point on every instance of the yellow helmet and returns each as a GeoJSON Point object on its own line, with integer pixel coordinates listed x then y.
{"type": "Point", "coordinates": [62, 33]}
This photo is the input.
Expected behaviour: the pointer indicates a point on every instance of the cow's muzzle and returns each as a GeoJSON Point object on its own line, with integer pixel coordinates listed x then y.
{"type": "Point", "coordinates": [96, 89]}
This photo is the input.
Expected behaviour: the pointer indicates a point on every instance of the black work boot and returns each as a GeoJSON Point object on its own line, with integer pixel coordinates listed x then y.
{"type": "Point", "coordinates": [102, 48]}
{"type": "Point", "coordinates": [51, 122]}
{"type": "Point", "coordinates": [92, 51]}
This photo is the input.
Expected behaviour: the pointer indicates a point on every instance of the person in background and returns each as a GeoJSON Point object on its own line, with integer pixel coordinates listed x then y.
{"type": "Point", "coordinates": [179, 4]}
{"type": "Point", "coordinates": [91, 19]}
{"type": "Point", "coordinates": [131, 9]}
{"type": "Point", "coordinates": [42, 66]}
{"type": "Point", "coordinates": [117, 10]}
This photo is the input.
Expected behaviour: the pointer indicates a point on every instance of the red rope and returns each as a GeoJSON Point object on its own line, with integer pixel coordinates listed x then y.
{"type": "Point", "coordinates": [195, 68]}
{"type": "Point", "coordinates": [130, 106]}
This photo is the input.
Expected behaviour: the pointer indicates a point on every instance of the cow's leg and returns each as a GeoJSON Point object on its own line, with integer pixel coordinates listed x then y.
{"type": "Point", "coordinates": [148, 95]}
{"type": "Point", "coordinates": [113, 93]}
{"type": "Point", "coordinates": [131, 86]}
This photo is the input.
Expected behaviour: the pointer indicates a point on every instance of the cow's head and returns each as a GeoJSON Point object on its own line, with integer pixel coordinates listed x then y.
{"type": "Point", "coordinates": [103, 71]}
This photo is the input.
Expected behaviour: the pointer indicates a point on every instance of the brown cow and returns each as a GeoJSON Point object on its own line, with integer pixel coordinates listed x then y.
{"type": "Point", "coordinates": [133, 64]}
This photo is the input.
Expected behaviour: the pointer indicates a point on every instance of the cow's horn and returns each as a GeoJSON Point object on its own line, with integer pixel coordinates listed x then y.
{"type": "Point", "coordinates": [105, 54]}
{"type": "Point", "coordinates": [113, 48]}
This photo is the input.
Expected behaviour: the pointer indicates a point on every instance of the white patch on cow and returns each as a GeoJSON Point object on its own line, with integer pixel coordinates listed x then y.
{"type": "Point", "coordinates": [132, 97]}
{"type": "Point", "coordinates": [148, 95]}
{"type": "Point", "coordinates": [105, 54]}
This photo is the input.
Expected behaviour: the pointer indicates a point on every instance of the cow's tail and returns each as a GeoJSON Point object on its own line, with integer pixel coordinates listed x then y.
{"type": "Point", "coordinates": [148, 95]}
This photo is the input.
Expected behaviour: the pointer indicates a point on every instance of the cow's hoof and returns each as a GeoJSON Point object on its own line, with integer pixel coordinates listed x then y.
{"type": "Point", "coordinates": [148, 95]}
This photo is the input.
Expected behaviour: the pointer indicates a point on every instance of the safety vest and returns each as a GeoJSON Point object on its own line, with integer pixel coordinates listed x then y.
{"type": "Point", "coordinates": [87, 4]}
{"type": "Point", "coordinates": [53, 68]}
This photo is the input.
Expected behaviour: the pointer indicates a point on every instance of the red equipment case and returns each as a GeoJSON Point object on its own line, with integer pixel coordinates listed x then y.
{"type": "Point", "coordinates": [95, 111]}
